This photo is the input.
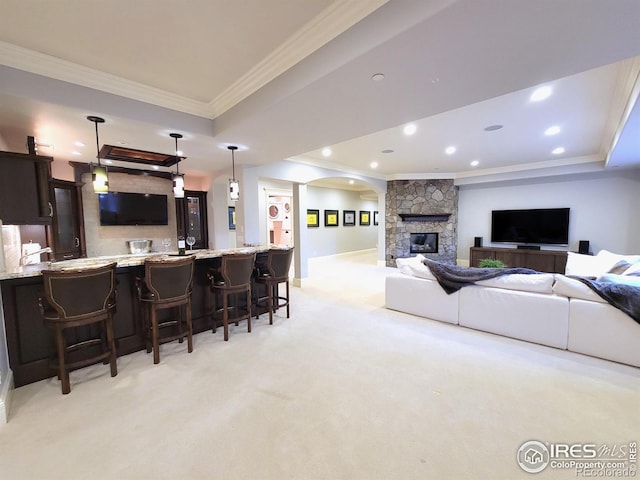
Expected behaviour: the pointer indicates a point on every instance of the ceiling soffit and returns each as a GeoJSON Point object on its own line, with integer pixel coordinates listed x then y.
{"type": "Point", "coordinates": [333, 21]}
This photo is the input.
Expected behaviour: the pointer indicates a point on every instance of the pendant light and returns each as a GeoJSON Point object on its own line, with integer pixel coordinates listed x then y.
{"type": "Point", "coordinates": [98, 172]}
{"type": "Point", "coordinates": [178, 180]}
{"type": "Point", "coordinates": [234, 185]}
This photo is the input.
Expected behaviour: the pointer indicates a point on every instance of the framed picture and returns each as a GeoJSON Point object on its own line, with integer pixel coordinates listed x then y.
{"type": "Point", "coordinates": [232, 218]}
{"type": "Point", "coordinates": [348, 218]}
{"type": "Point", "coordinates": [364, 217]}
{"type": "Point", "coordinates": [375, 217]}
{"type": "Point", "coordinates": [331, 218]}
{"type": "Point", "coordinates": [313, 218]}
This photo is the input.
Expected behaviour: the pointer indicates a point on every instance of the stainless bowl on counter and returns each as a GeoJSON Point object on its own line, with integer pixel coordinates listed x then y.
{"type": "Point", "coordinates": [139, 246]}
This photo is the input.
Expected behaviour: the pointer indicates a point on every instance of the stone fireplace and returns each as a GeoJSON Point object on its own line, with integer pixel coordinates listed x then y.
{"type": "Point", "coordinates": [421, 217]}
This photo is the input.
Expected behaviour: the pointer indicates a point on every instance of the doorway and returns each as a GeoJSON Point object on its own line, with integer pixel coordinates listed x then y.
{"type": "Point", "coordinates": [280, 219]}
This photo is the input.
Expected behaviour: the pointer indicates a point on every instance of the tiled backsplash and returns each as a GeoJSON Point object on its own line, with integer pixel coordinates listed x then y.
{"type": "Point", "coordinates": [111, 240]}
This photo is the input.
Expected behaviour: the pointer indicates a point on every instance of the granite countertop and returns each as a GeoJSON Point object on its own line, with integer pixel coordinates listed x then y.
{"type": "Point", "coordinates": [124, 260]}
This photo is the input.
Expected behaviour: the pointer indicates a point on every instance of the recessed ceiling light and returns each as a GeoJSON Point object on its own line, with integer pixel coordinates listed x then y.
{"type": "Point", "coordinates": [552, 130]}
{"type": "Point", "coordinates": [351, 182]}
{"type": "Point", "coordinates": [75, 152]}
{"type": "Point", "coordinates": [557, 151]}
{"type": "Point", "coordinates": [387, 150]}
{"type": "Point", "coordinates": [377, 77]}
{"type": "Point", "coordinates": [450, 150]}
{"type": "Point", "coordinates": [475, 163]}
{"type": "Point", "coordinates": [79, 144]}
{"type": "Point", "coordinates": [156, 167]}
{"type": "Point", "coordinates": [540, 93]}
{"type": "Point", "coordinates": [410, 129]}
{"type": "Point", "coordinates": [492, 128]}
{"type": "Point", "coordinates": [373, 164]}
{"type": "Point", "coordinates": [108, 162]}
{"type": "Point", "coordinates": [326, 152]}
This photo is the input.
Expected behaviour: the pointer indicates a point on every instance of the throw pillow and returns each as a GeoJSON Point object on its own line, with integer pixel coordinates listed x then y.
{"type": "Point", "coordinates": [619, 268]}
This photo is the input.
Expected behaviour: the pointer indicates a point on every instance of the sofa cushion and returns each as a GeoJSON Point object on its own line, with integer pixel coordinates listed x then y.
{"type": "Point", "coordinates": [414, 267]}
{"type": "Point", "coordinates": [596, 265]}
{"type": "Point", "coordinates": [572, 288]}
{"type": "Point", "coordinates": [540, 283]}
{"type": "Point", "coordinates": [632, 280]}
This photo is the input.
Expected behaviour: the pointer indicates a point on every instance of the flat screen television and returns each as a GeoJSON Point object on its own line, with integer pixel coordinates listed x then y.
{"type": "Point", "coordinates": [124, 208]}
{"type": "Point", "coordinates": [540, 226]}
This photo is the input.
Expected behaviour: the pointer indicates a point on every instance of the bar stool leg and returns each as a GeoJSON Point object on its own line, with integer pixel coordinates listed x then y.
{"type": "Point", "coordinates": [154, 333]}
{"type": "Point", "coordinates": [112, 346]}
{"type": "Point", "coordinates": [63, 373]}
{"type": "Point", "coordinates": [225, 315]}
{"type": "Point", "coordinates": [189, 328]}
{"type": "Point", "coordinates": [287, 289]}
{"type": "Point", "coordinates": [249, 310]}
{"type": "Point", "coordinates": [271, 292]}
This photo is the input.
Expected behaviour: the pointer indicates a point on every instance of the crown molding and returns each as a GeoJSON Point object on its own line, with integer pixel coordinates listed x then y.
{"type": "Point", "coordinates": [624, 99]}
{"type": "Point", "coordinates": [333, 21]}
{"type": "Point", "coordinates": [53, 67]}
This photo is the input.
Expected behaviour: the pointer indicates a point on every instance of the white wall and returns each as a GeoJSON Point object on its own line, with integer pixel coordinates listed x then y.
{"type": "Point", "coordinates": [323, 240]}
{"type": "Point", "coordinates": [604, 208]}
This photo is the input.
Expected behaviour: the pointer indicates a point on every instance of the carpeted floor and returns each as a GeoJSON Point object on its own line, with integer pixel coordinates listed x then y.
{"type": "Point", "coordinates": [344, 389]}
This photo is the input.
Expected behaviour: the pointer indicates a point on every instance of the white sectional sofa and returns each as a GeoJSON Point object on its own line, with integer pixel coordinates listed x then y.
{"type": "Point", "coordinates": [549, 309]}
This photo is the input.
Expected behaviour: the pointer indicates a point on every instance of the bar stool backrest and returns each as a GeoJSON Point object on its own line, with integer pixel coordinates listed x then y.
{"type": "Point", "coordinates": [169, 280]}
{"type": "Point", "coordinates": [279, 262]}
{"type": "Point", "coordinates": [237, 268]}
{"type": "Point", "coordinates": [76, 294]}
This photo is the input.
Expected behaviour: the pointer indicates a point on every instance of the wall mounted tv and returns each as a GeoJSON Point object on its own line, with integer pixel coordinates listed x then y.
{"type": "Point", "coordinates": [541, 226]}
{"type": "Point", "coordinates": [123, 208]}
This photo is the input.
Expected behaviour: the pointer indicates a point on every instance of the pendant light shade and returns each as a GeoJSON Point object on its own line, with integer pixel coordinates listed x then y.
{"type": "Point", "coordinates": [98, 172]}
{"type": "Point", "coordinates": [234, 185]}
{"type": "Point", "coordinates": [178, 180]}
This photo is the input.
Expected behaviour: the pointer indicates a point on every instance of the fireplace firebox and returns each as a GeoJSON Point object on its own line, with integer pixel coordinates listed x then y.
{"type": "Point", "coordinates": [423, 243]}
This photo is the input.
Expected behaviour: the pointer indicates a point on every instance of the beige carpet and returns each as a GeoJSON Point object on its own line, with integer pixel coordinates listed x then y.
{"type": "Point", "coordinates": [344, 389]}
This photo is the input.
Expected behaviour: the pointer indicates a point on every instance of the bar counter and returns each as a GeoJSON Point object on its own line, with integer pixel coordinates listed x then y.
{"type": "Point", "coordinates": [29, 342]}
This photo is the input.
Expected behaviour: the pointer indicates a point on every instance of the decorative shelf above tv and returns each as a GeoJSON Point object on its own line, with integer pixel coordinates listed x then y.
{"type": "Point", "coordinates": [424, 217]}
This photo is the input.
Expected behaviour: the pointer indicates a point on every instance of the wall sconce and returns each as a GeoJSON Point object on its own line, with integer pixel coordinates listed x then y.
{"type": "Point", "coordinates": [234, 185]}
{"type": "Point", "coordinates": [178, 180]}
{"type": "Point", "coordinates": [98, 172]}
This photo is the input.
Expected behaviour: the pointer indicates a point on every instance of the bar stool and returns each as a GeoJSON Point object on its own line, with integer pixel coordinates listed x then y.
{"type": "Point", "coordinates": [77, 298]}
{"type": "Point", "coordinates": [166, 284]}
{"type": "Point", "coordinates": [232, 277]}
{"type": "Point", "coordinates": [275, 272]}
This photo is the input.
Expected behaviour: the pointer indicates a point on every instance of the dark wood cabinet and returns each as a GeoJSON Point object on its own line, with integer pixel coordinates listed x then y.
{"type": "Point", "coordinates": [66, 231]}
{"type": "Point", "coordinates": [191, 217]}
{"type": "Point", "coordinates": [552, 261]}
{"type": "Point", "coordinates": [24, 189]}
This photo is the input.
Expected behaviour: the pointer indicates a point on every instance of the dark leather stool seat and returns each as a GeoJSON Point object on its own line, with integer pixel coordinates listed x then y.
{"type": "Point", "coordinates": [274, 272]}
{"type": "Point", "coordinates": [167, 283]}
{"type": "Point", "coordinates": [231, 278]}
{"type": "Point", "coordinates": [80, 298]}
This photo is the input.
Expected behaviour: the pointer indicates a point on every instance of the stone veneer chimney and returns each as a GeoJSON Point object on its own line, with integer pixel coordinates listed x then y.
{"type": "Point", "coordinates": [423, 197]}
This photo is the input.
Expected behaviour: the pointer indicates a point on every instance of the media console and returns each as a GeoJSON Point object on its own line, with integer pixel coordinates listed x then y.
{"type": "Point", "coordinates": [552, 261]}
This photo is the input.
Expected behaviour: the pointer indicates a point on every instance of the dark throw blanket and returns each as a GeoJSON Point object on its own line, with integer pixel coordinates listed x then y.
{"type": "Point", "coordinates": [452, 277]}
{"type": "Point", "coordinates": [622, 296]}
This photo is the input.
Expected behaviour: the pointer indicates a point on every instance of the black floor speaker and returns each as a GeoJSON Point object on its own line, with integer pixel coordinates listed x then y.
{"type": "Point", "coordinates": [583, 247]}
{"type": "Point", "coordinates": [477, 241]}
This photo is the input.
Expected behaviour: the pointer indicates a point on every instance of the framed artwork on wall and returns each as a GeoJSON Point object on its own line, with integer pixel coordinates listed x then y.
{"type": "Point", "coordinates": [232, 218]}
{"type": "Point", "coordinates": [348, 218]}
{"type": "Point", "coordinates": [313, 218]}
{"type": "Point", "coordinates": [331, 218]}
{"type": "Point", "coordinates": [364, 217]}
{"type": "Point", "coordinates": [375, 217]}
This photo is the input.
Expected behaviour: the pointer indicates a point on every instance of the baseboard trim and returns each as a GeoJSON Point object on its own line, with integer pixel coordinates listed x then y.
{"type": "Point", "coordinates": [6, 394]}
